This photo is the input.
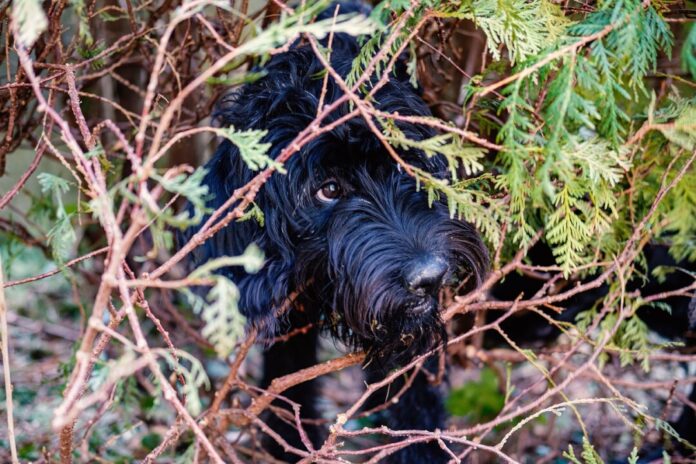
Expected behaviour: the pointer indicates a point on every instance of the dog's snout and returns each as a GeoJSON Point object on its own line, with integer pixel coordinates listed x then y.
{"type": "Point", "coordinates": [425, 274]}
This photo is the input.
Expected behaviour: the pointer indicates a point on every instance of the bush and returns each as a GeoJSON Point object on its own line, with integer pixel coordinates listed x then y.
{"type": "Point", "coordinates": [570, 124]}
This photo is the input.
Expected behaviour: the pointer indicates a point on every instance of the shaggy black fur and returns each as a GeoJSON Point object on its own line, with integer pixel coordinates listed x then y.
{"type": "Point", "coordinates": [347, 227]}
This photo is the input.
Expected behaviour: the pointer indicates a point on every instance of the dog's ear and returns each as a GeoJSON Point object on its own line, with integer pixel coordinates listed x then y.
{"type": "Point", "coordinates": [261, 292]}
{"type": "Point", "coordinates": [282, 104]}
{"type": "Point", "coordinates": [263, 295]}
{"type": "Point", "coordinates": [224, 173]}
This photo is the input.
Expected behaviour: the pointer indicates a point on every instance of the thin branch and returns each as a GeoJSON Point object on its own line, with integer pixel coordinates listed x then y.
{"type": "Point", "coordinates": [5, 348]}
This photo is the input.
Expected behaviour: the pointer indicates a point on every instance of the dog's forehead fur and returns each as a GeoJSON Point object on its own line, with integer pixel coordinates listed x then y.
{"type": "Point", "coordinates": [285, 101]}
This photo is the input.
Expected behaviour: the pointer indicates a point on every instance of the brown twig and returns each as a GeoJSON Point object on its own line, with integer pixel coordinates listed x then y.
{"type": "Point", "coordinates": [5, 347]}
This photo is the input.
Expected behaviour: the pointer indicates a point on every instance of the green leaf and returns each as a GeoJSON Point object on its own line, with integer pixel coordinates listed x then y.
{"type": "Point", "coordinates": [61, 236]}
{"type": "Point", "coordinates": [53, 184]}
{"type": "Point", "coordinates": [224, 323]}
{"type": "Point", "coordinates": [194, 376]}
{"type": "Point", "coordinates": [523, 27]}
{"type": "Point", "coordinates": [598, 161]}
{"type": "Point", "coordinates": [448, 145]}
{"type": "Point", "coordinates": [252, 260]}
{"type": "Point", "coordinates": [480, 400]}
{"type": "Point", "coordinates": [588, 454]}
{"type": "Point", "coordinates": [683, 130]}
{"type": "Point", "coordinates": [688, 52]}
{"type": "Point", "coordinates": [193, 189]}
{"type": "Point", "coordinates": [567, 232]}
{"type": "Point", "coordinates": [254, 213]}
{"type": "Point", "coordinates": [253, 151]}
{"type": "Point", "coordinates": [633, 458]}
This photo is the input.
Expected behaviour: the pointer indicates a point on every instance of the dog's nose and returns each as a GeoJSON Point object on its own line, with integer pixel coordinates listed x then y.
{"type": "Point", "coordinates": [424, 275]}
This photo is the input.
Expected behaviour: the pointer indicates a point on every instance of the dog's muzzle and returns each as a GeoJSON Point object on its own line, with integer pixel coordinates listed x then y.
{"type": "Point", "coordinates": [423, 278]}
{"type": "Point", "coordinates": [424, 275]}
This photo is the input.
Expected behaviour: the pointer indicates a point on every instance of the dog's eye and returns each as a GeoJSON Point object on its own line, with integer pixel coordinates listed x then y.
{"type": "Point", "coordinates": [329, 191]}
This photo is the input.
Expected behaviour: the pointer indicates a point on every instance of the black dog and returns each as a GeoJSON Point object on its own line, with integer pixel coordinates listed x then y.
{"type": "Point", "coordinates": [347, 230]}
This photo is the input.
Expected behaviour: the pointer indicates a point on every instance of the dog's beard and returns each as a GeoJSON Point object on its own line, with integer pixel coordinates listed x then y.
{"type": "Point", "coordinates": [371, 308]}
{"type": "Point", "coordinates": [391, 327]}
{"type": "Point", "coordinates": [399, 338]}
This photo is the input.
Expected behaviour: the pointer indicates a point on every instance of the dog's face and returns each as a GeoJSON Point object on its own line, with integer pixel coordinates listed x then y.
{"type": "Point", "coordinates": [345, 225]}
{"type": "Point", "coordinates": [375, 251]}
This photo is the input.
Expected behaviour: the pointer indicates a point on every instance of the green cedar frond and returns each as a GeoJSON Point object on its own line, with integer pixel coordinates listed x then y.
{"type": "Point", "coordinates": [449, 145]}
{"type": "Point", "coordinates": [597, 160]}
{"type": "Point", "coordinates": [688, 52]}
{"type": "Point", "coordinates": [588, 454]}
{"type": "Point", "coordinates": [195, 376]}
{"type": "Point", "coordinates": [633, 341]}
{"type": "Point", "coordinates": [363, 59]}
{"type": "Point", "coordinates": [471, 204]}
{"type": "Point", "coordinates": [567, 232]}
{"type": "Point", "coordinates": [53, 184]}
{"type": "Point", "coordinates": [682, 131]}
{"type": "Point", "coordinates": [302, 22]}
{"type": "Point", "coordinates": [254, 213]}
{"type": "Point", "coordinates": [681, 218]}
{"type": "Point", "coordinates": [61, 236]}
{"type": "Point", "coordinates": [523, 27]}
{"type": "Point", "coordinates": [224, 323]}
{"type": "Point", "coordinates": [190, 187]}
{"type": "Point", "coordinates": [251, 260]}
{"type": "Point", "coordinates": [633, 458]}
{"type": "Point", "coordinates": [253, 151]}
